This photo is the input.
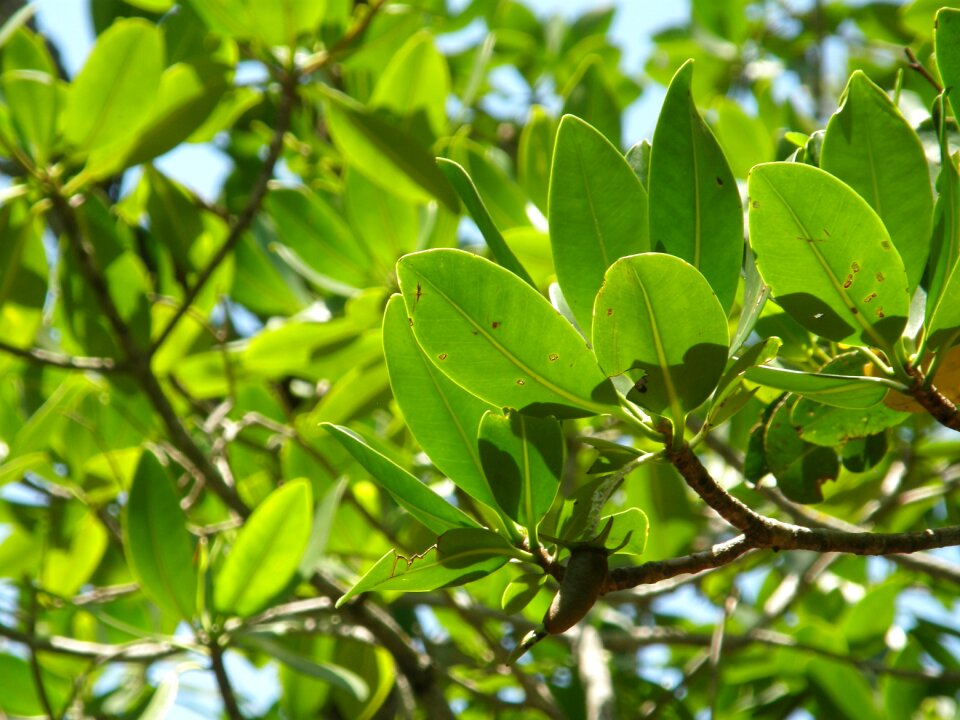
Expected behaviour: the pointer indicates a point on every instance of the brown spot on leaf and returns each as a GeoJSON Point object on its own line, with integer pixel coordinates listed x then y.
{"type": "Point", "coordinates": [827, 233]}
{"type": "Point", "coordinates": [870, 297]}
{"type": "Point", "coordinates": [442, 356]}
{"type": "Point", "coordinates": [880, 277]}
{"type": "Point", "coordinates": [609, 312]}
{"type": "Point", "coordinates": [755, 204]}
{"type": "Point", "coordinates": [880, 312]}
{"type": "Point", "coordinates": [410, 321]}
{"type": "Point", "coordinates": [885, 244]}
{"type": "Point", "coordinates": [854, 310]}
{"type": "Point", "coordinates": [719, 180]}
{"type": "Point", "coordinates": [848, 282]}
{"type": "Point", "coordinates": [553, 357]}
{"type": "Point", "coordinates": [495, 324]}
{"type": "Point", "coordinates": [521, 381]}
{"type": "Point", "coordinates": [855, 266]}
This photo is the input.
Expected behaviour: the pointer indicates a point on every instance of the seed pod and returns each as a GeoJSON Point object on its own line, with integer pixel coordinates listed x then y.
{"type": "Point", "coordinates": [583, 579]}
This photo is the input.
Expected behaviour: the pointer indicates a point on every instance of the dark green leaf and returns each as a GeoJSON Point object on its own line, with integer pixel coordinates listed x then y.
{"type": "Point", "coordinates": [845, 391]}
{"type": "Point", "coordinates": [799, 467]}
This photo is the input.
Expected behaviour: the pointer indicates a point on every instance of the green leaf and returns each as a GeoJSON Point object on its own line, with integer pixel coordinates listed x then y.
{"type": "Point", "coordinates": [415, 84]}
{"type": "Point", "coordinates": [657, 320]}
{"type": "Point", "coordinates": [267, 551]}
{"type": "Point", "coordinates": [630, 526]}
{"type": "Point", "coordinates": [598, 213]}
{"type": "Point", "coordinates": [281, 22]}
{"type": "Point", "coordinates": [843, 391]}
{"type": "Point", "coordinates": [158, 547]}
{"type": "Point", "coordinates": [23, 275]}
{"type": "Point", "coordinates": [638, 158]}
{"type": "Point", "coordinates": [471, 198]}
{"type": "Point", "coordinates": [695, 208]}
{"type": "Point", "coordinates": [872, 148]}
{"type": "Point", "coordinates": [384, 153]}
{"type": "Point", "coordinates": [523, 459]}
{"type": "Point", "coordinates": [328, 673]}
{"type": "Point", "coordinates": [421, 502]}
{"type": "Point", "coordinates": [18, 692]}
{"type": "Point", "coordinates": [489, 169]}
{"type": "Point", "coordinates": [64, 570]}
{"type": "Point", "coordinates": [459, 556]}
{"type": "Point", "coordinates": [386, 223]}
{"type": "Point", "coordinates": [947, 44]}
{"type": "Point", "coordinates": [114, 93]}
{"type": "Point", "coordinates": [30, 88]}
{"type": "Point", "coordinates": [826, 255]}
{"type": "Point", "coordinates": [442, 416]}
{"type": "Point", "coordinates": [535, 156]}
{"type": "Point", "coordinates": [588, 95]}
{"type": "Point", "coordinates": [521, 591]}
{"type": "Point", "coordinates": [799, 467]}
{"type": "Point", "coordinates": [496, 336]}
{"type": "Point", "coordinates": [746, 140]}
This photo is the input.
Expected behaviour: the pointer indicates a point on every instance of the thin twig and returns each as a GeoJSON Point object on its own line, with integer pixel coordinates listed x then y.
{"type": "Point", "coordinates": [35, 668]}
{"type": "Point", "coordinates": [245, 219]}
{"type": "Point", "coordinates": [345, 43]}
{"type": "Point", "coordinates": [916, 65]}
{"type": "Point", "coordinates": [230, 705]}
{"type": "Point", "coordinates": [39, 356]}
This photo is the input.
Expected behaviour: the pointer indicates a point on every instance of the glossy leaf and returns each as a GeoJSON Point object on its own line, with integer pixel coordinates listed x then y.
{"type": "Point", "coordinates": [695, 208]}
{"type": "Point", "coordinates": [674, 365]}
{"type": "Point", "coordinates": [598, 213]}
{"type": "Point", "coordinates": [523, 459]}
{"type": "Point", "coordinates": [872, 148]}
{"type": "Point", "coordinates": [495, 335]}
{"type": "Point", "coordinates": [630, 529]}
{"type": "Point", "coordinates": [112, 96]}
{"type": "Point", "coordinates": [520, 591]}
{"type": "Point", "coordinates": [459, 556]}
{"type": "Point", "coordinates": [441, 415]}
{"type": "Point", "coordinates": [158, 546]}
{"type": "Point", "coordinates": [386, 154]}
{"type": "Point", "coordinates": [826, 255]}
{"type": "Point", "coordinates": [837, 390]}
{"type": "Point", "coordinates": [267, 551]}
{"type": "Point", "coordinates": [421, 502]}
{"type": "Point", "coordinates": [471, 199]}
{"type": "Point", "coordinates": [799, 467]}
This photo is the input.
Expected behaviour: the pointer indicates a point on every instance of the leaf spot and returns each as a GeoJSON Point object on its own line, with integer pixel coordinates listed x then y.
{"type": "Point", "coordinates": [870, 297]}
{"type": "Point", "coordinates": [880, 277]}
{"type": "Point", "coordinates": [410, 321]}
{"type": "Point", "coordinates": [854, 310]}
{"type": "Point", "coordinates": [609, 312]}
{"type": "Point", "coordinates": [880, 312]}
{"type": "Point", "coordinates": [553, 357]}
{"type": "Point", "coordinates": [521, 381]}
{"type": "Point", "coordinates": [495, 324]}
{"type": "Point", "coordinates": [442, 356]}
{"type": "Point", "coordinates": [848, 282]}
{"type": "Point", "coordinates": [855, 266]}
{"type": "Point", "coordinates": [827, 233]}
{"type": "Point", "coordinates": [719, 180]}
{"type": "Point", "coordinates": [755, 204]}
{"type": "Point", "coordinates": [885, 244]}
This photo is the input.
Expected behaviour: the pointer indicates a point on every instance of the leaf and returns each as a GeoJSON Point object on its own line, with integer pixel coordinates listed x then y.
{"type": "Point", "coordinates": [113, 95]}
{"type": "Point", "coordinates": [638, 158]}
{"type": "Point", "coordinates": [826, 255]}
{"type": "Point", "coordinates": [598, 213]}
{"type": "Point", "coordinates": [18, 692]}
{"type": "Point", "coordinates": [329, 673]}
{"type": "Point", "coordinates": [415, 84]}
{"type": "Point", "coordinates": [588, 95]}
{"type": "Point", "coordinates": [758, 354]}
{"type": "Point", "coordinates": [657, 321]}
{"type": "Point", "coordinates": [421, 502]}
{"type": "Point", "coordinates": [460, 556]}
{"type": "Point", "coordinates": [386, 223]}
{"type": "Point", "coordinates": [844, 391]}
{"type": "Point", "coordinates": [755, 294]}
{"type": "Point", "coordinates": [281, 22]}
{"type": "Point", "coordinates": [265, 556]}
{"type": "Point", "coordinates": [799, 467]}
{"type": "Point", "coordinates": [523, 459]}
{"type": "Point", "coordinates": [872, 148]}
{"type": "Point", "coordinates": [630, 526]}
{"type": "Point", "coordinates": [496, 336]}
{"type": "Point", "coordinates": [947, 44]}
{"type": "Point", "coordinates": [471, 198]}
{"type": "Point", "coordinates": [384, 153]}
{"type": "Point", "coordinates": [31, 92]}
{"type": "Point", "coordinates": [521, 591]}
{"type": "Point", "coordinates": [23, 275]}
{"type": "Point", "coordinates": [695, 208]}
{"type": "Point", "coordinates": [158, 546]}
{"type": "Point", "coordinates": [535, 156]}
{"type": "Point", "coordinates": [442, 416]}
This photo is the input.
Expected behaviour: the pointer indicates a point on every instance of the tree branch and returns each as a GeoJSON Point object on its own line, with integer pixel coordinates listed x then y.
{"type": "Point", "coordinates": [246, 217]}
{"type": "Point", "coordinates": [136, 652]}
{"type": "Point", "coordinates": [933, 401]}
{"type": "Point", "coordinates": [230, 705]}
{"type": "Point", "coordinates": [39, 356]}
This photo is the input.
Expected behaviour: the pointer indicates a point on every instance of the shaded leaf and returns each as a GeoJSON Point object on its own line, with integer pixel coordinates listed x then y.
{"type": "Point", "coordinates": [799, 467]}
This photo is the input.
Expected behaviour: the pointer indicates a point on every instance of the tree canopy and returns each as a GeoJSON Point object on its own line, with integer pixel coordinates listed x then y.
{"type": "Point", "coordinates": [458, 400]}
